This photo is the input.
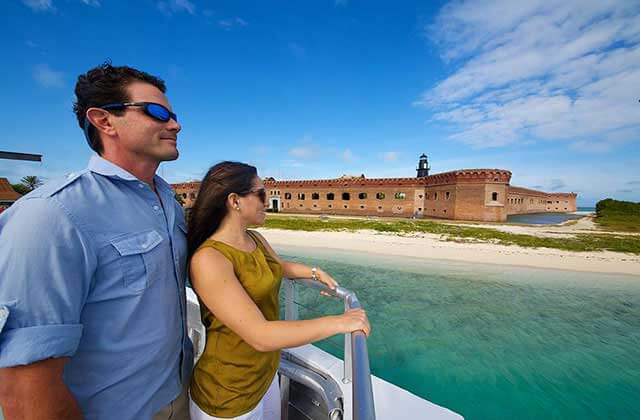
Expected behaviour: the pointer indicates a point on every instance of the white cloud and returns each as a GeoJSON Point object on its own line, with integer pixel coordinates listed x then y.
{"type": "Point", "coordinates": [170, 7]}
{"type": "Point", "coordinates": [341, 2]}
{"type": "Point", "coordinates": [307, 149]}
{"type": "Point", "coordinates": [541, 70]}
{"type": "Point", "coordinates": [346, 155]}
{"type": "Point", "coordinates": [292, 164]}
{"type": "Point", "coordinates": [47, 77]}
{"type": "Point", "coordinates": [39, 5]}
{"type": "Point", "coordinates": [94, 3]}
{"type": "Point", "coordinates": [390, 156]}
{"type": "Point", "coordinates": [228, 24]}
{"type": "Point", "coordinates": [302, 151]}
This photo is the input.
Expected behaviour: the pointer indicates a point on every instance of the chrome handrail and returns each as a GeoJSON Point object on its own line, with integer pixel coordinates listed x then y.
{"type": "Point", "coordinates": [356, 355]}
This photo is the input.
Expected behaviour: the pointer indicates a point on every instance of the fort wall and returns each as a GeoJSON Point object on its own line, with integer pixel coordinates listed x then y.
{"type": "Point", "coordinates": [467, 194]}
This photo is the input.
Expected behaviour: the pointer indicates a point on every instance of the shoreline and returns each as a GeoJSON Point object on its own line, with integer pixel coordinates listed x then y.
{"type": "Point", "coordinates": [429, 246]}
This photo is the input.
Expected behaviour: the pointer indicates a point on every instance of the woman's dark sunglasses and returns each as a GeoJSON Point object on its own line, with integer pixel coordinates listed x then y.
{"type": "Point", "coordinates": [260, 192]}
{"type": "Point", "coordinates": [152, 109]}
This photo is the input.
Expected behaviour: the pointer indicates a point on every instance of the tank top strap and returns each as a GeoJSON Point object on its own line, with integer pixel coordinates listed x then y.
{"type": "Point", "coordinates": [260, 244]}
{"type": "Point", "coordinates": [221, 247]}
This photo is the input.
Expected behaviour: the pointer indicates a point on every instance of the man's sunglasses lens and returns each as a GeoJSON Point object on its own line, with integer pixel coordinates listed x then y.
{"type": "Point", "coordinates": [159, 112]}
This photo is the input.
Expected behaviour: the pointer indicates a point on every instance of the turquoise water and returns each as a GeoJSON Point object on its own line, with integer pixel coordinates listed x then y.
{"type": "Point", "coordinates": [542, 218]}
{"type": "Point", "coordinates": [494, 342]}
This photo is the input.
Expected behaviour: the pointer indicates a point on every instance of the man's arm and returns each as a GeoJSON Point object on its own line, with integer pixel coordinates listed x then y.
{"type": "Point", "coordinates": [46, 267]}
{"type": "Point", "coordinates": [37, 392]}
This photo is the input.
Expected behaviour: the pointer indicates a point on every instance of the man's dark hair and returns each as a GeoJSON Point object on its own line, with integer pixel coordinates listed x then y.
{"type": "Point", "coordinates": [104, 85]}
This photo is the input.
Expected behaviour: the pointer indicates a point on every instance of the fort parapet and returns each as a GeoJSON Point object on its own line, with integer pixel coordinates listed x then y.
{"type": "Point", "coordinates": [465, 194]}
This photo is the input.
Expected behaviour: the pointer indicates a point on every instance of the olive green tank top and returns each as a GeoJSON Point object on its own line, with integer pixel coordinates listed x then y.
{"type": "Point", "coordinates": [231, 377]}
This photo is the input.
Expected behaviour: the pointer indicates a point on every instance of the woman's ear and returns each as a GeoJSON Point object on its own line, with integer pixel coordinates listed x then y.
{"type": "Point", "coordinates": [233, 201]}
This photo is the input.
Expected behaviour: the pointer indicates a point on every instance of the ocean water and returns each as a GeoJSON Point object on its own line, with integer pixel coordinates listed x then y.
{"type": "Point", "coordinates": [493, 342]}
{"type": "Point", "coordinates": [542, 218]}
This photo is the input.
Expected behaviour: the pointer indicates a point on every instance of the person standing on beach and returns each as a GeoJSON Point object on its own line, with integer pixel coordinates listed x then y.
{"type": "Point", "coordinates": [93, 270]}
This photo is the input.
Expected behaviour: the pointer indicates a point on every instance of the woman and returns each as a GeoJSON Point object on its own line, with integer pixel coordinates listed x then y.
{"type": "Point", "coordinates": [236, 275]}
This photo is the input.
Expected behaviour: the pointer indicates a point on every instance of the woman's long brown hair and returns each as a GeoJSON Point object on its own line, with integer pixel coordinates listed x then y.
{"type": "Point", "coordinates": [210, 207]}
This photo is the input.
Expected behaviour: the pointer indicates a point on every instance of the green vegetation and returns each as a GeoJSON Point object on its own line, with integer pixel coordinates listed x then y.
{"type": "Point", "coordinates": [461, 233]}
{"type": "Point", "coordinates": [618, 215]}
{"type": "Point", "coordinates": [27, 184]}
{"type": "Point", "coordinates": [20, 188]}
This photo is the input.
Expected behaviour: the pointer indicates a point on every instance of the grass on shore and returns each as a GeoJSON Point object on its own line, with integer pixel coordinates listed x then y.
{"type": "Point", "coordinates": [618, 215]}
{"type": "Point", "coordinates": [460, 233]}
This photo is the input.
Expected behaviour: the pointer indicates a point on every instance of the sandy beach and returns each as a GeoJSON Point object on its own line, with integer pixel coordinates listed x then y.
{"type": "Point", "coordinates": [432, 247]}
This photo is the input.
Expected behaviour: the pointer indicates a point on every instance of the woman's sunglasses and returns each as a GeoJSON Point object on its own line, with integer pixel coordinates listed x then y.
{"type": "Point", "coordinates": [260, 192]}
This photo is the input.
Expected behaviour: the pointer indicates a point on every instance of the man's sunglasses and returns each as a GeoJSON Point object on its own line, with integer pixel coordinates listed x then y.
{"type": "Point", "coordinates": [152, 109]}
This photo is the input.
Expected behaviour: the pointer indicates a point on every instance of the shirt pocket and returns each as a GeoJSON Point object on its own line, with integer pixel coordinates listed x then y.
{"type": "Point", "coordinates": [137, 260]}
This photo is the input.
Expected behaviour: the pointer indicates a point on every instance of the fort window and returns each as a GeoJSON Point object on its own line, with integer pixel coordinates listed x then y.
{"type": "Point", "coordinates": [380, 196]}
{"type": "Point", "coordinates": [362, 196]}
{"type": "Point", "coordinates": [184, 195]}
{"type": "Point", "coordinates": [287, 196]}
{"type": "Point", "coordinates": [362, 207]}
{"type": "Point", "coordinates": [447, 194]}
{"type": "Point", "coordinates": [192, 195]}
{"type": "Point", "coordinates": [435, 196]}
{"type": "Point", "coordinates": [346, 196]}
{"type": "Point", "coordinates": [494, 196]}
{"type": "Point", "coordinates": [315, 196]}
{"type": "Point", "coordinates": [380, 208]}
{"type": "Point", "coordinates": [419, 195]}
{"type": "Point", "coordinates": [400, 196]}
{"type": "Point", "coordinates": [444, 211]}
{"type": "Point", "coordinates": [330, 206]}
{"type": "Point", "coordinates": [419, 208]}
{"type": "Point", "coordinates": [315, 205]}
{"type": "Point", "coordinates": [346, 206]}
{"type": "Point", "coordinates": [300, 196]}
{"type": "Point", "coordinates": [330, 196]}
{"type": "Point", "coordinates": [301, 205]}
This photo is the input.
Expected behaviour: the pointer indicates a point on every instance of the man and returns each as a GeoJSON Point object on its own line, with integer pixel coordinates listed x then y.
{"type": "Point", "coordinates": [92, 270]}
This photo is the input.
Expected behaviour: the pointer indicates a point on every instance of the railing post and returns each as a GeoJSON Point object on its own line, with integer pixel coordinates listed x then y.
{"type": "Point", "coordinates": [290, 313]}
{"type": "Point", "coordinates": [290, 307]}
{"type": "Point", "coordinates": [347, 376]}
{"type": "Point", "coordinates": [356, 356]}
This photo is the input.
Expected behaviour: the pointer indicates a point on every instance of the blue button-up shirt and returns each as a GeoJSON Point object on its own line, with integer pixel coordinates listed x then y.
{"type": "Point", "coordinates": [93, 267]}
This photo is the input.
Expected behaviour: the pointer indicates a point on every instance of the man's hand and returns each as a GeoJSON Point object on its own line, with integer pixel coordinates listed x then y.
{"type": "Point", "coordinates": [37, 392]}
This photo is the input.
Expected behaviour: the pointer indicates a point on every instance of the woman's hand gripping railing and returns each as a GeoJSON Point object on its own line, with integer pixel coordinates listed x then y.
{"type": "Point", "coordinates": [356, 356]}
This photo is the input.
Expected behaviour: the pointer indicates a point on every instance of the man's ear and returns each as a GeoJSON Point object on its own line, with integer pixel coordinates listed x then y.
{"type": "Point", "coordinates": [101, 120]}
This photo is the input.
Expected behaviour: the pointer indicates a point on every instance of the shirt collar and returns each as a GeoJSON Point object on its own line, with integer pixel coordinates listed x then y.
{"type": "Point", "coordinates": [101, 166]}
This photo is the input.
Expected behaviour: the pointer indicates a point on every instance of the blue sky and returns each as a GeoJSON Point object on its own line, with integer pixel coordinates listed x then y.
{"type": "Point", "coordinates": [317, 89]}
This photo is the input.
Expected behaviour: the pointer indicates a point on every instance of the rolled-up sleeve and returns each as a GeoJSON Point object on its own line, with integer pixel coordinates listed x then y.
{"type": "Point", "coordinates": [46, 268]}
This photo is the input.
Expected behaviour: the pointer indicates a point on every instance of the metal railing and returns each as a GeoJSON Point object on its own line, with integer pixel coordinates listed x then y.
{"type": "Point", "coordinates": [356, 356]}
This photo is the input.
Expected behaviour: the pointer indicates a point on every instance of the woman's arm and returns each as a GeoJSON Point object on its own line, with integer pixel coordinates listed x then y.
{"type": "Point", "coordinates": [220, 290]}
